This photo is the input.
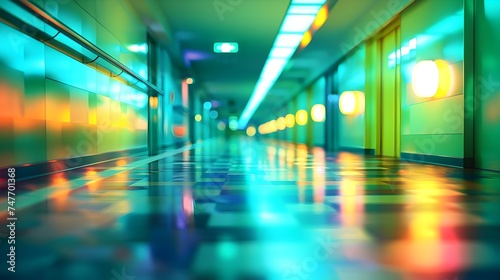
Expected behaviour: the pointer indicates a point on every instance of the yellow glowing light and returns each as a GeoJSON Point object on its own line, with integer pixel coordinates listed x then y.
{"type": "Point", "coordinates": [272, 126]}
{"type": "Point", "coordinates": [301, 117]}
{"type": "Point", "coordinates": [425, 79]}
{"type": "Point", "coordinates": [198, 118]}
{"type": "Point", "coordinates": [92, 117]}
{"type": "Point", "coordinates": [306, 39]}
{"type": "Point", "coordinates": [281, 123]}
{"type": "Point", "coordinates": [445, 78]}
{"type": "Point", "coordinates": [352, 103]}
{"type": "Point", "coordinates": [153, 102]}
{"type": "Point", "coordinates": [251, 131]}
{"type": "Point", "coordinates": [290, 120]}
{"type": "Point", "coordinates": [261, 129]}
{"type": "Point", "coordinates": [320, 17]}
{"type": "Point", "coordinates": [189, 81]}
{"type": "Point", "coordinates": [318, 113]}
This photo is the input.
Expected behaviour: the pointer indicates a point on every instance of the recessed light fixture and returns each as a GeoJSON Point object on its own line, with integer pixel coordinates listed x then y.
{"type": "Point", "coordinates": [425, 79]}
{"type": "Point", "coordinates": [226, 47]}
{"type": "Point", "coordinates": [352, 103]}
{"type": "Point", "coordinates": [138, 48]}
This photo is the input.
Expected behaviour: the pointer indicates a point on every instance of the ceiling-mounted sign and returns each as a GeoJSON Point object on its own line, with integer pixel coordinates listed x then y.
{"type": "Point", "coordinates": [226, 47]}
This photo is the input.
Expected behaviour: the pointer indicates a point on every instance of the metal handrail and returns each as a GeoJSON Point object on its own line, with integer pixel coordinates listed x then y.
{"type": "Point", "coordinates": [61, 27]}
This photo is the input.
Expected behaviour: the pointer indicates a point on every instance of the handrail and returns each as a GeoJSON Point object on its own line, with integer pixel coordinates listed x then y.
{"type": "Point", "coordinates": [61, 27]}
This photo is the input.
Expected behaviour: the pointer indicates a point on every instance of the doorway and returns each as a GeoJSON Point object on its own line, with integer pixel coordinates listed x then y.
{"type": "Point", "coordinates": [389, 94]}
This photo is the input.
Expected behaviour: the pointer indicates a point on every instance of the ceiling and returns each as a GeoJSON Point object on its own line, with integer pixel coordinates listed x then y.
{"type": "Point", "coordinates": [190, 27]}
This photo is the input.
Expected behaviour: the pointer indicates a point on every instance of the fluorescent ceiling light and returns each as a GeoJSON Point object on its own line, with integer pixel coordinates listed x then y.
{"type": "Point", "coordinates": [297, 23]}
{"type": "Point", "coordinates": [273, 68]}
{"type": "Point", "coordinates": [282, 52]}
{"type": "Point", "coordinates": [298, 20]}
{"type": "Point", "coordinates": [304, 9]}
{"type": "Point", "coordinates": [288, 40]}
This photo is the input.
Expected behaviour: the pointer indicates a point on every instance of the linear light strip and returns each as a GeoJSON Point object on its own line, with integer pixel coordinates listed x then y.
{"type": "Point", "coordinates": [298, 20]}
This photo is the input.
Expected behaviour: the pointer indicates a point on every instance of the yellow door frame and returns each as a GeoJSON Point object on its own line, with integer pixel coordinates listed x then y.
{"type": "Point", "coordinates": [394, 26]}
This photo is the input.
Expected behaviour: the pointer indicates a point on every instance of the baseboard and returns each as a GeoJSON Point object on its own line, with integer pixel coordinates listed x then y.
{"type": "Point", "coordinates": [28, 171]}
{"type": "Point", "coordinates": [433, 159]}
{"type": "Point", "coordinates": [362, 151]}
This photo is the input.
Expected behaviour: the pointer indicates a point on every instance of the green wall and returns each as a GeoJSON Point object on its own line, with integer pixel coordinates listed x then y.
{"type": "Point", "coordinates": [433, 126]}
{"type": "Point", "coordinates": [486, 104]}
{"type": "Point", "coordinates": [351, 77]}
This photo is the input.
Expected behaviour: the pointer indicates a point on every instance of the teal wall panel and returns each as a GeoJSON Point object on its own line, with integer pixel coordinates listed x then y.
{"type": "Point", "coordinates": [302, 129]}
{"type": "Point", "coordinates": [433, 144]}
{"type": "Point", "coordinates": [351, 77]}
{"type": "Point", "coordinates": [291, 109]}
{"type": "Point", "coordinates": [444, 116]}
{"type": "Point", "coordinates": [318, 97]}
{"type": "Point", "coordinates": [29, 136]}
{"type": "Point", "coordinates": [52, 106]}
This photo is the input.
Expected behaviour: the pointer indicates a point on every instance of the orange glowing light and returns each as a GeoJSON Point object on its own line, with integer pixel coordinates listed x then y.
{"type": "Point", "coordinates": [60, 198]}
{"type": "Point", "coordinates": [59, 178]}
{"type": "Point", "coordinates": [121, 162]}
{"type": "Point", "coordinates": [320, 18]}
{"type": "Point", "coordinates": [153, 102]}
{"type": "Point", "coordinates": [179, 131]}
{"type": "Point", "coordinates": [185, 93]}
{"type": "Point", "coordinates": [306, 39]}
{"type": "Point", "coordinates": [93, 186]}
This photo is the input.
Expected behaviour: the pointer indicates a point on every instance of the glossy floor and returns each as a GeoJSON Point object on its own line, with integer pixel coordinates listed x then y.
{"type": "Point", "coordinates": [243, 209]}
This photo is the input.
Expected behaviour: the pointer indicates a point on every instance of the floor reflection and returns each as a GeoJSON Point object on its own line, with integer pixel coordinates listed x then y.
{"type": "Point", "coordinates": [245, 209]}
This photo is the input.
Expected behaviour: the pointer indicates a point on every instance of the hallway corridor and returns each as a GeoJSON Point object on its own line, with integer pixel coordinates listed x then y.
{"type": "Point", "coordinates": [243, 209]}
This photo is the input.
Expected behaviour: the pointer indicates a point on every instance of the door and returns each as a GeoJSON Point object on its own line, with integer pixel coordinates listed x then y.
{"type": "Point", "coordinates": [389, 105]}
